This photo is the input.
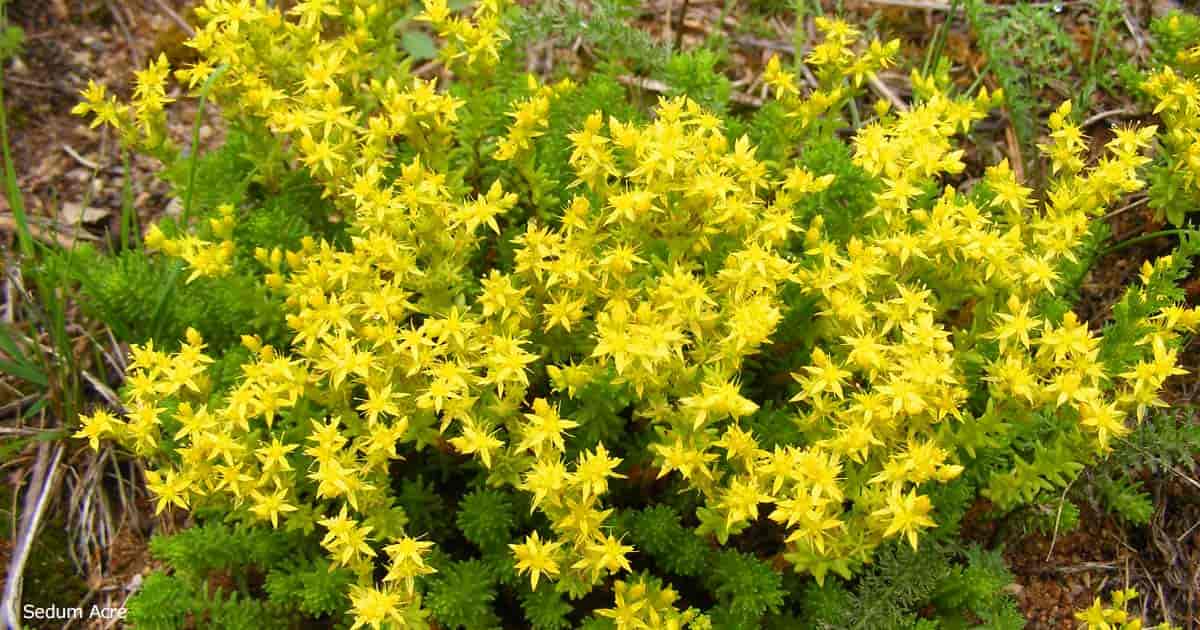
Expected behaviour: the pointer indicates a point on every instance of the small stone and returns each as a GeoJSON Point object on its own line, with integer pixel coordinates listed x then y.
{"type": "Point", "coordinates": [73, 213]}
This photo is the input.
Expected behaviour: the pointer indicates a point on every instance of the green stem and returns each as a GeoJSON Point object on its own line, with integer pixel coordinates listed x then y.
{"type": "Point", "coordinates": [128, 217]}
{"type": "Point", "coordinates": [939, 40]}
{"type": "Point", "coordinates": [979, 79]}
{"type": "Point", "coordinates": [1090, 81]}
{"type": "Point", "coordinates": [1147, 237]}
{"type": "Point", "coordinates": [204, 90]}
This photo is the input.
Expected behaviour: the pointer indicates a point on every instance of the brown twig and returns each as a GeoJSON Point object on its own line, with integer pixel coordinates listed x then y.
{"type": "Point", "coordinates": [1058, 519]}
{"type": "Point", "coordinates": [886, 92]}
{"type": "Point", "coordinates": [16, 407]}
{"type": "Point", "coordinates": [30, 83]}
{"type": "Point", "coordinates": [654, 85]}
{"type": "Point", "coordinates": [1087, 566]}
{"type": "Point", "coordinates": [1130, 206]}
{"type": "Point", "coordinates": [1091, 120]}
{"type": "Point", "coordinates": [1135, 32]}
{"type": "Point", "coordinates": [679, 24]}
{"type": "Point", "coordinates": [122, 21]}
{"type": "Point", "coordinates": [79, 158]}
{"type": "Point", "coordinates": [166, 8]}
{"type": "Point", "coordinates": [1014, 152]}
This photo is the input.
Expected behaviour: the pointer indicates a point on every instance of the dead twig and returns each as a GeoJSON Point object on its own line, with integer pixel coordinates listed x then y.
{"type": "Point", "coordinates": [105, 391]}
{"type": "Point", "coordinates": [166, 8]}
{"type": "Point", "coordinates": [16, 407]}
{"type": "Point", "coordinates": [79, 158]}
{"type": "Point", "coordinates": [1130, 206]}
{"type": "Point", "coordinates": [21, 430]}
{"type": "Point", "coordinates": [1189, 530]}
{"type": "Point", "coordinates": [1058, 519]}
{"type": "Point", "coordinates": [1084, 567]}
{"type": "Point", "coordinates": [30, 83]}
{"type": "Point", "coordinates": [122, 21]}
{"type": "Point", "coordinates": [1120, 111]}
{"type": "Point", "coordinates": [678, 26]}
{"type": "Point", "coordinates": [1014, 152]}
{"type": "Point", "coordinates": [886, 92]}
{"type": "Point", "coordinates": [1135, 32]}
{"type": "Point", "coordinates": [768, 44]}
{"type": "Point", "coordinates": [427, 69]}
{"type": "Point", "coordinates": [654, 85]}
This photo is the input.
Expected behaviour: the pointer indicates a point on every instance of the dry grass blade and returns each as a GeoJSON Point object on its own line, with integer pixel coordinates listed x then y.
{"type": "Point", "coordinates": [43, 482]}
{"type": "Point", "coordinates": [91, 522]}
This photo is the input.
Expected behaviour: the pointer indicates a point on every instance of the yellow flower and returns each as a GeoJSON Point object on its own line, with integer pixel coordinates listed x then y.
{"type": "Point", "coordinates": [608, 554]}
{"type": "Point", "coordinates": [408, 561]}
{"type": "Point", "coordinates": [270, 506]}
{"type": "Point", "coordinates": [345, 539]}
{"type": "Point", "coordinates": [375, 608]}
{"type": "Point", "coordinates": [545, 428]}
{"type": "Point", "coordinates": [273, 457]}
{"type": "Point", "coordinates": [825, 375]}
{"type": "Point", "coordinates": [536, 557]}
{"type": "Point", "coordinates": [476, 439]}
{"type": "Point", "coordinates": [171, 488]}
{"type": "Point", "coordinates": [740, 501]}
{"type": "Point", "coordinates": [906, 514]}
{"type": "Point", "coordinates": [593, 471]}
{"type": "Point", "coordinates": [97, 426]}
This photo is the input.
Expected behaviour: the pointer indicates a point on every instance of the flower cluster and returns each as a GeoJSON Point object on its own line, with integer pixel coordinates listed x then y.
{"type": "Point", "coordinates": [645, 603]}
{"type": "Point", "coordinates": [205, 258]}
{"type": "Point", "coordinates": [472, 44]}
{"type": "Point", "coordinates": [142, 122]}
{"type": "Point", "coordinates": [908, 310]}
{"type": "Point", "coordinates": [1114, 616]}
{"type": "Point", "coordinates": [529, 119]}
{"type": "Point", "coordinates": [839, 68]}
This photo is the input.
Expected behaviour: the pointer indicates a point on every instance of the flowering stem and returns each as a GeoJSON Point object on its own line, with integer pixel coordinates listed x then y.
{"type": "Point", "coordinates": [1146, 237]}
{"type": "Point", "coordinates": [204, 90]}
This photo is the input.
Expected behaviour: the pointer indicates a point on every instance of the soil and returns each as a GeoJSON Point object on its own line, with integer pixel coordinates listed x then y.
{"type": "Point", "coordinates": [73, 177]}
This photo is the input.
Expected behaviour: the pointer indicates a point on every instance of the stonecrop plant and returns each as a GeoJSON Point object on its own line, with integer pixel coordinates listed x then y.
{"type": "Point", "coordinates": [1175, 88]}
{"type": "Point", "coordinates": [594, 328]}
{"type": "Point", "coordinates": [1114, 616]}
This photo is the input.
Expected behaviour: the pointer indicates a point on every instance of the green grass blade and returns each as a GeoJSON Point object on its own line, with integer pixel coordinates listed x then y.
{"type": "Point", "coordinates": [11, 190]}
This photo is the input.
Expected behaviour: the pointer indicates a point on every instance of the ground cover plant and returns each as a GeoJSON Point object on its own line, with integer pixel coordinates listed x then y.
{"type": "Point", "coordinates": [577, 349]}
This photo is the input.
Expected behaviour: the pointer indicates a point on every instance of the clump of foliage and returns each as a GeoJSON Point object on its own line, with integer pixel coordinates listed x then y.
{"type": "Point", "coordinates": [592, 364]}
{"type": "Point", "coordinates": [1030, 55]}
{"type": "Point", "coordinates": [1165, 442]}
{"type": "Point", "coordinates": [1033, 52]}
{"type": "Point", "coordinates": [238, 578]}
